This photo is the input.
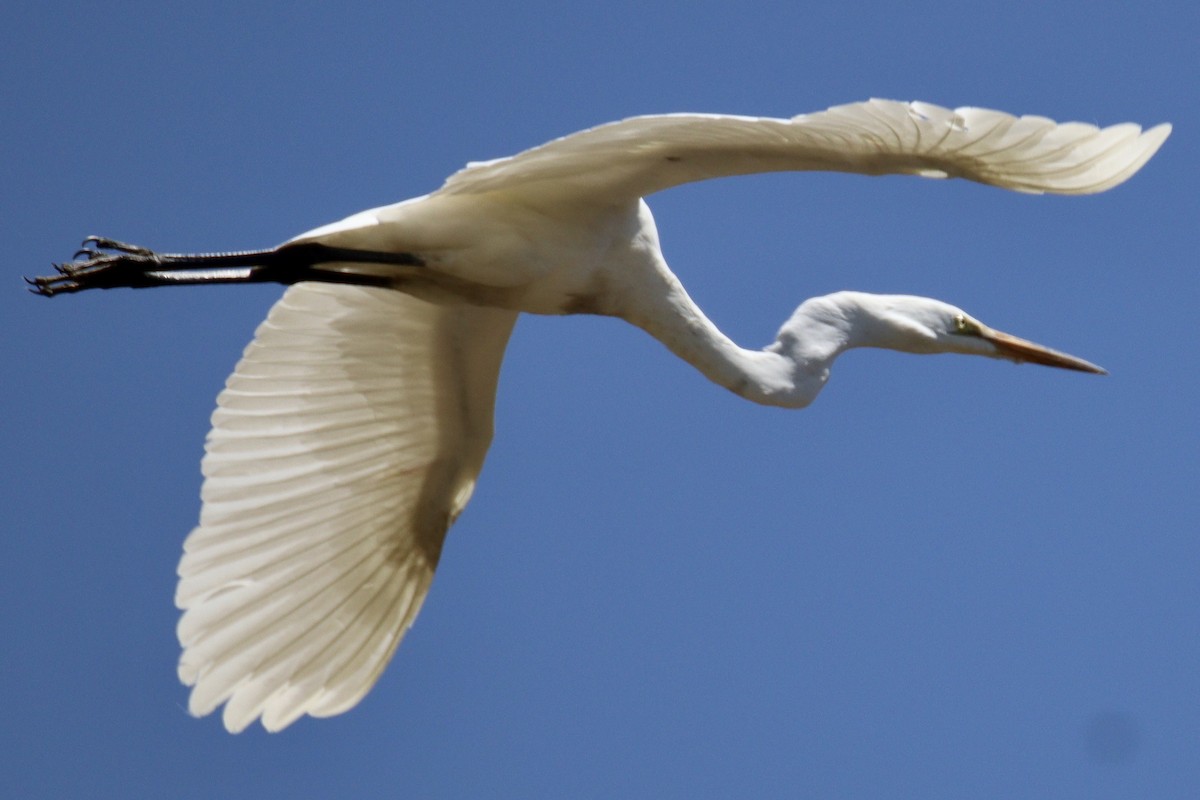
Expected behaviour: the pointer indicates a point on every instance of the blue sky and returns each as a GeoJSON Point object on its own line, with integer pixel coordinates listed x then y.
{"type": "Point", "coordinates": [949, 577]}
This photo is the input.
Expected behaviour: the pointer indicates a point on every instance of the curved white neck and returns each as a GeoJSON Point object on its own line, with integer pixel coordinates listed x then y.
{"type": "Point", "coordinates": [772, 376]}
{"type": "Point", "coordinates": [792, 370]}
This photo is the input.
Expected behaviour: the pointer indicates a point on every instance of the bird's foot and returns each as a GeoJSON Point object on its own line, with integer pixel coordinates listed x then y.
{"type": "Point", "coordinates": [100, 263]}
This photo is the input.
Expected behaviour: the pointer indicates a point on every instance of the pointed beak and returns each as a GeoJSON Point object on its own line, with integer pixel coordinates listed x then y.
{"type": "Point", "coordinates": [1017, 349]}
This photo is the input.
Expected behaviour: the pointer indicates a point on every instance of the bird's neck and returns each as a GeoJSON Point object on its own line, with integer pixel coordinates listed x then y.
{"type": "Point", "coordinates": [822, 328]}
{"type": "Point", "coordinates": [768, 377]}
{"type": "Point", "coordinates": [791, 371]}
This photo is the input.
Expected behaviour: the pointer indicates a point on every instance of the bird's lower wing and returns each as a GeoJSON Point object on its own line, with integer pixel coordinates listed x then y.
{"type": "Point", "coordinates": [345, 443]}
{"type": "Point", "coordinates": [639, 156]}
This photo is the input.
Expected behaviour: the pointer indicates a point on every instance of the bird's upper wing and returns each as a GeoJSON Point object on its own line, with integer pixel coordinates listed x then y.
{"type": "Point", "coordinates": [642, 155]}
{"type": "Point", "coordinates": [343, 447]}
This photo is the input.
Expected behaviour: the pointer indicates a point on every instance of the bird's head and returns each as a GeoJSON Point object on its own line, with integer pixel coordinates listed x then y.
{"type": "Point", "coordinates": [824, 327]}
{"type": "Point", "coordinates": [925, 325]}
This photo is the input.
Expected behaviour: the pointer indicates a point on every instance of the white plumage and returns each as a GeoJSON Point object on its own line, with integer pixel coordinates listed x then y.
{"type": "Point", "coordinates": [343, 446]}
{"type": "Point", "coordinates": [633, 157]}
{"type": "Point", "coordinates": [351, 433]}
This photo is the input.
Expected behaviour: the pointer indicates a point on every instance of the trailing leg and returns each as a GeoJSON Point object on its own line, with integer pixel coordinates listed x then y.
{"type": "Point", "coordinates": [104, 263]}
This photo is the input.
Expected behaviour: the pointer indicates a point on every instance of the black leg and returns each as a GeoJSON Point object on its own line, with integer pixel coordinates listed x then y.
{"type": "Point", "coordinates": [108, 264]}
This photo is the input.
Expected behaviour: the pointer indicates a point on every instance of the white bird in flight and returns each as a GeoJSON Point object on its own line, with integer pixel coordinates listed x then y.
{"type": "Point", "coordinates": [352, 431]}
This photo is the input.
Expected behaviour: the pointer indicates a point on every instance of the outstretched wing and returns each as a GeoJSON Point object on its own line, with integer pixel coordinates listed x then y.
{"type": "Point", "coordinates": [639, 156]}
{"type": "Point", "coordinates": [343, 446]}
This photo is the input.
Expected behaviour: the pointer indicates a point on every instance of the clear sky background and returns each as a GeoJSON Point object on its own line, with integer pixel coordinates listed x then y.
{"type": "Point", "coordinates": [949, 578]}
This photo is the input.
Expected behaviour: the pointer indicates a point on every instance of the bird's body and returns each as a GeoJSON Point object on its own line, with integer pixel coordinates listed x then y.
{"type": "Point", "coordinates": [488, 251]}
{"type": "Point", "coordinates": [353, 430]}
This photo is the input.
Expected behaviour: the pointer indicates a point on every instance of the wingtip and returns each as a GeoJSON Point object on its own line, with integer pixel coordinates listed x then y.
{"type": "Point", "coordinates": [1148, 144]}
{"type": "Point", "coordinates": [1154, 137]}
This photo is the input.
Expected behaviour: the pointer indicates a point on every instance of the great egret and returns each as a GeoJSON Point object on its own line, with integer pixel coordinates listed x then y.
{"type": "Point", "coordinates": [351, 433]}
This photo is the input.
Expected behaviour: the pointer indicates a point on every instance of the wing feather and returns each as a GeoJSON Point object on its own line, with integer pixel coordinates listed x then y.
{"type": "Point", "coordinates": [345, 443]}
{"type": "Point", "coordinates": [642, 155]}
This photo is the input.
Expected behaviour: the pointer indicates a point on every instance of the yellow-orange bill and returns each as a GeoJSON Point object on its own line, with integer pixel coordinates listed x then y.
{"type": "Point", "coordinates": [1018, 349]}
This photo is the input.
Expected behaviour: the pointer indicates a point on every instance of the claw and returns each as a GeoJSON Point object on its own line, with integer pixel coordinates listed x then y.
{"type": "Point", "coordinates": [50, 286]}
{"type": "Point", "coordinates": [99, 263]}
{"type": "Point", "coordinates": [94, 243]}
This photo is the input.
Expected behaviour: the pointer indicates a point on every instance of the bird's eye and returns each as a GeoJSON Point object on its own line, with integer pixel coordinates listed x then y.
{"type": "Point", "coordinates": [965, 325]}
